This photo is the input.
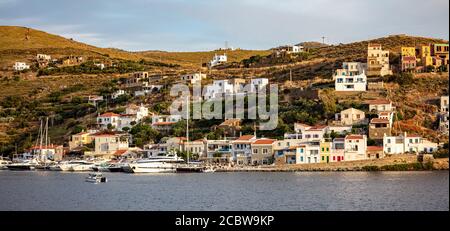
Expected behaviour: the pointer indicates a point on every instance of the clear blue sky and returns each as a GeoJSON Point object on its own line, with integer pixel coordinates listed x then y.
{"type": "Point", "coordinates": [192, 25]}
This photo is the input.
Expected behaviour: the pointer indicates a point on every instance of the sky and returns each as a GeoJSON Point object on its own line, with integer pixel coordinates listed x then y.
{"type": "Point", "coordinates": [199, 25]}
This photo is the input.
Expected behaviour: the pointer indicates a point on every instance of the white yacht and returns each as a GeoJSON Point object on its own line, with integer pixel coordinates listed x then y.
{"type": "Point", "coordinates": [4, 163]}
{"type": "Point", "coordinates": [76, 166]}
{"type": "Point", "coordinates": [157, 164]}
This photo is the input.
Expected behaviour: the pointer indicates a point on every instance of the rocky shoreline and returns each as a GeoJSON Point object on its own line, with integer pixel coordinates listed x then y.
{"type": "Point", "coordinates": [397, 163]}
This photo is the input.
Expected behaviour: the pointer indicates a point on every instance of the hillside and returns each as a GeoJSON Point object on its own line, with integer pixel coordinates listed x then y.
{"type": "Point", "coordinates": [195, 59]}
{"type": "Point", "coordinates": [19, 43]}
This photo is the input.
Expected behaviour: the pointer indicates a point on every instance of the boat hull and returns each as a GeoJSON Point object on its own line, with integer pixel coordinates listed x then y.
{"type": "Point", "coordinates": [20, 167]}
{"type": "Point", "coordinates": [152, 168]}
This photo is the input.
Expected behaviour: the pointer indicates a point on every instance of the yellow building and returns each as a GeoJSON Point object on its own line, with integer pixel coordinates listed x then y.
{"type": "Point", "coordinates": [408, 52]}
{"type": "Point", "coordinates": [424, 56]}
{"type": "Point", "coordinates": [80, 139]}
{"type": "Point", "coordinates": [325, 151]}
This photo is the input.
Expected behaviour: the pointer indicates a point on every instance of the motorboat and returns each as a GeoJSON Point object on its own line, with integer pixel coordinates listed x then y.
{"type": "Point", "coordinates": [156, 164]}
{"type": "Point", "coordinates": [208, 170]}
{"type": "Point", "coordinates": [4, 163]}
{"type": "Point", "coordinates": [76, 166]}
{"type": "Point", "coordinates": [96, 178]}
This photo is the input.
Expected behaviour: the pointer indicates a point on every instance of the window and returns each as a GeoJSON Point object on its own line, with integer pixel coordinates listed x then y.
{"type": "Point", "coordinates": [301, 158]}
{"type": "Point", "coordinates": [389, 150]}
{"type": "Point", "coordinates": [265, 151]}
{"type": "Point", "coordinates": [255, 151]}
{"type": "Point", "coordinates": [328, 149]}
{"type": "Point", "coordinates": [323, 149]}
{"type": "Point", "coordinates": [323, 158]}
{"type": "Point", "coordinates": [334, 158]}
{"type": "Point", "coordinates": [301, 150]}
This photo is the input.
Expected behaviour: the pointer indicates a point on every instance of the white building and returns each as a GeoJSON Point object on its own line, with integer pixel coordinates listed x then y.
{"type": "Point", "coordinates": [133, 115]}
{"type": "Point", "coordinates": [100, 65]}
{"type": "Point", "coordinates": [165, 122]}
{"type": "Point", "coordinates": [20, 66]}
{"type": "Point", "coordinates": [308, 153]}
{"type": "Point", "coordinates": [352, 77]}
{"type": "Point", "coordinates": [355, 147]}
{"type": "Point", "coordinates": [43, 57]}
{"type": "Point", "coordinates": [258, 84]}
{"type": "Point", "coordinates": [219, 88]}
{"type": "Point", "coordinates": [407, 144]}
{"type": "Point", "coordinates": [193, 78]}
{"type": "Point", "coordinates": [217, 60]}
{"type": "Point", "coordinates": [242, 149]}
{"type": "Point", "coordinates": [117, 93]}
{"type": "Point", "coordinates": [380, 105]}
{"type": "Point", "coordinates": [308, 133]}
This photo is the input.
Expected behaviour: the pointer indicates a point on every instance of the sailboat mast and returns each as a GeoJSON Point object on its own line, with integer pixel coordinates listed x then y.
{"type": "Point", "coordinates": [187, 127]}
{"type": "Point", "coordinates": [41, 131]}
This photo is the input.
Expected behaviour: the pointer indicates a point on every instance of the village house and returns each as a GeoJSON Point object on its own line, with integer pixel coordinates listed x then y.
{"type": "Point", "coordinates": [108, 146]}
{"type": "Point", "coordinates": [117, 94]}
{"type": "Point", "coordinates": [164, 123]}
{"type": "Point", "coordinates": [441, 51]}
{"type": "Point", "coordinates": [167, 145]}
{"type": "Point", "coordinates": [137, 78]}
{"type": "Point", "coordinates": [259, 84]}
{"type": "Point", "coordinates": [218, 89]}
{"type": "Point", "coordinates": [338, 150]}
{"type": "Point", "coordinates": [379, 127]}
{"type": "Point", "coordinates": [94, 99]}
{"type": "Point", "coordinates": [377, 61]}
{"type": "Point", "coordinates": [20, 66]}
{"type": "Point", "coordinates": [231, 127]}
{"type": "Point", "coordinates": [352, 77]}
{"type": "Point", "coordinates": [242, 149]}
{"type": "Point", "coordinates": [193, 78]}
{"type": "Point", "coordinates": [132, 116]}
{"type": "Point", "coordinates": [218, 60]}
{"type": "Point", "coordinates": [195, 148]}
{"type": "Point", "coordinates": [145, 89]}
{"type": "Point", "coordinates": [43, 60]}
{"type": "Point", "coordinates": [424, 57]}
{"type": "Point", "coordinates": [285, 151]}
{"type": "Point", "coordinates": [72, 60]}
{"type": "Point", "coordinates": [375, 152]}
{"type": "Point", "coordinates": [355, 147]}
{"type": "Point", "coordinates": [340, 129]}
{"type": "Point", "coordinates": [219, 150]}
{"type": "Point", "coordinates": [405, 143]}
{"type": "Point", "coordinates": [81, 139]}
{"type": "Point", "coordinates": [408, 64]}
{"type": "Point", "coordinates": [262, 151]}
{"type": "Point", "coordinates": [287, 50]}
{"type": "Point", "coordinates": [307, 133]}
{"type": "Point", "coordinates": [308, 153]}
{"type": "Point", "coordinates": [351, 116]}
{"type": "Point", "coordinates": [380, 105]}
{"type": "Point", "coordinates": [325, 150]}
{"type": "Point", "coordinates": [238, 85]}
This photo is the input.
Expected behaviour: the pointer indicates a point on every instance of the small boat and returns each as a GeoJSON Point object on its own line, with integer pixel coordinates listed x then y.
{"type": "Point", "coordinates": [209, 169]}
{"type": "Point", "coordinates": [115, 168]}
{"type": "Point", "coordinates": [189, 168]}
{"type": "Point", "coordinates": [4, 163]}
{"type": "Point", "coordinates": [96, 178]}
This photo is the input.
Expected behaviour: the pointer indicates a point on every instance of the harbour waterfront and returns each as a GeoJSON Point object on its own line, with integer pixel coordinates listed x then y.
{"type": "Point", "coordinates": [304, 191]}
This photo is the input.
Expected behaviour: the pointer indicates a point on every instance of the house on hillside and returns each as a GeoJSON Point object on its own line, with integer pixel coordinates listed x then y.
{"type": "Point", "coordinates": [352, 77]}
{"type": "Point", "coordinates": [218, 60]}
{"type": "Point", "coordinates": [351, 116]}
{"type": "Point", "coordinates": [20, 66]}
{"type": "Point", "coordinates": [377, 61]}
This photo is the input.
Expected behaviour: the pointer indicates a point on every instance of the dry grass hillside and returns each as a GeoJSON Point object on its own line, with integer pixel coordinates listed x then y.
{"type": "Point", "coordinates": [20, 43]}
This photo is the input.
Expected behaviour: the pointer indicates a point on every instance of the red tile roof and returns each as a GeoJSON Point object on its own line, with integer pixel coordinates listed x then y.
{"type": "Point", "coordinates": [374, 148]}
{"type": "Point", "coordinates": [245, 138]}
{"type": "Point", "coordinates": [264, 141]}
{"type": "Point", "coordinates": [409, 58]}
{"type": "Point", "coordinates": [354, 137]}
{"type": "Point", "coordinates": [379, 121]}
{"type": "Point", "coordinates": [109, 114]}
{"type": "Point", "coordinates": [120, 152]}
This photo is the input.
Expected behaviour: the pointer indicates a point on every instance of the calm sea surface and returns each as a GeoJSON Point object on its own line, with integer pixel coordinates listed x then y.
{"type": "Point", "coordinates": [226, 191]}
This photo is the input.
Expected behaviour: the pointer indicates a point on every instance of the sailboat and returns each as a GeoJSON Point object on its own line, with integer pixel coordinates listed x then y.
{"type": "Point", "coordinates": [24, 162]}
{"type": "Point", "coordinates": [189, 166]}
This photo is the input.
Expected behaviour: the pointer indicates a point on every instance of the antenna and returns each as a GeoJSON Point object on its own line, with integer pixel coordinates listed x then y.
{"type": "Point", "coordinates": [323, 39]}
